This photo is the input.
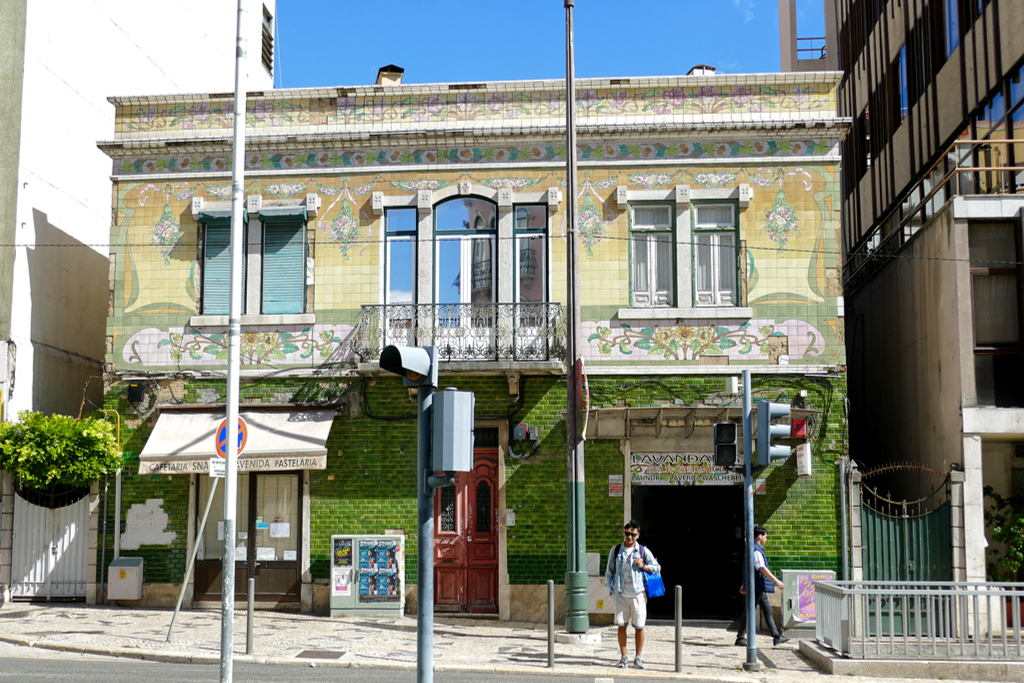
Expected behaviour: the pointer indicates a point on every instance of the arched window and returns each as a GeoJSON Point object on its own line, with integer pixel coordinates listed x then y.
{"type": "Point", "coordinates": [465, 230]}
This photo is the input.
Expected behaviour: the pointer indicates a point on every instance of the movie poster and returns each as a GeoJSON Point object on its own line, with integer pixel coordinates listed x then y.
{"type": "Point", "coordinates": [379, 580]}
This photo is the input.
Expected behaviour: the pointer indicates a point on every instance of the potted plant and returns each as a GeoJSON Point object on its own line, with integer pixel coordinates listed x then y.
{"type": "Point", "coordinates": [1005, 521]}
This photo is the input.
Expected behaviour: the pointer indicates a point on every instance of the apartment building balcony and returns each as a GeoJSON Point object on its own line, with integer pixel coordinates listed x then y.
{"type": "Point", "coordinates": [485, 336]}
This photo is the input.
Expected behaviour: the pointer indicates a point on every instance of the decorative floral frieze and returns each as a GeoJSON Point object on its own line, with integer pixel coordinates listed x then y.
{"type": "Point", "coordinates": [713, 179]}
{"type": "Point", "coordinates": [211, 115]}
{"type": "Point", "coordinates": [189, 346]}
{"type": "Point", "coordinates": [510, 183]}
{"type": "Point", "coordinates": [472, 106]}
{"type": "Point", "coordinates": [284, 190]}
{"type": "Point", "coordinates": [764, 340]}
{"type": "Point", "coordinates": [327, 160]}
{"type": "Point", "coordinates": [420, 184]}
{"type": "Point", "coordinates": [652, 181]}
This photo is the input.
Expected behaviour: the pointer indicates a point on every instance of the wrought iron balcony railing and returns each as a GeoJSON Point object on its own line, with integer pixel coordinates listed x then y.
{"type": "Point", "coordinates": [464, 332]}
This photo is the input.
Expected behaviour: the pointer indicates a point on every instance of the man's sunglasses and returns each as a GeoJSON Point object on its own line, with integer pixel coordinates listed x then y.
{"type": "Point", "coordinates": [626, 533]}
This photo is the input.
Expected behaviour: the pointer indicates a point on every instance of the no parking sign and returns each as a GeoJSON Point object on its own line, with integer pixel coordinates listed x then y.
{"type": "Point", "coordinates": [221, 437]}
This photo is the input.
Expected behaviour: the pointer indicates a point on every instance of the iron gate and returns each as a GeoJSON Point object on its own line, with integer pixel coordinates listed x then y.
{"type": "Point", "coordinates": [906, 540]}
{"type": "Point", "coordinates": [49, 558]}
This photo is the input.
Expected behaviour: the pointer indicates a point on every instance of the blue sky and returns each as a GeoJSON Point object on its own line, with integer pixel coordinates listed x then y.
{"type": "Point", "coordinates": [334, 43]}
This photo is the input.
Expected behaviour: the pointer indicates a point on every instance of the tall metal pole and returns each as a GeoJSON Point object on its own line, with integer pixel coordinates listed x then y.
{"type": "Point", "coordinates": [844, 523]}
{"type": "Point", "coordinates": [577, 620]}
{"type": "Point", "coordinates": [425, 548]}
{"type": "Point", "coordinates": [748, 517]}
{"type": "Point", "coordinates": [234, 356]}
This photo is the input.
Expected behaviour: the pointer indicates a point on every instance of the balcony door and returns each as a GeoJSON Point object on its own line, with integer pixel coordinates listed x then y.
{"type": "Point", "coordinates": [531, 331]}
{"type": "Point", "coordinates": [465, 279]}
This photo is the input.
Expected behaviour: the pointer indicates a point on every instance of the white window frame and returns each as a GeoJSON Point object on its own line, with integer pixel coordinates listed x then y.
{"type": "Point", "coordinates": [650, 296]}
{"type": "Point", "coordinates": [715, 232]}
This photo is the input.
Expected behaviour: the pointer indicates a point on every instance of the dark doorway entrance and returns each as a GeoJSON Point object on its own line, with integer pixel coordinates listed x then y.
{"type": "Point", "coordinates": [695, 532]}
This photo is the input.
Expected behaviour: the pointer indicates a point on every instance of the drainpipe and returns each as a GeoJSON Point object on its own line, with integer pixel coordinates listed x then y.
{"type": "Point", "coordinates": [844, 574]}
{"type": "Point", "coordinates": [117, 515]}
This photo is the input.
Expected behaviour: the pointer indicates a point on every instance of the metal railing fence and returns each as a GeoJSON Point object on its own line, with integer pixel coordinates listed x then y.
{"type": "Point", "coordinates": [967, 167]}
{"type": "Point", "coordinates": [464, 332]}
{"type": "Point", "coordinates": [938, 620]}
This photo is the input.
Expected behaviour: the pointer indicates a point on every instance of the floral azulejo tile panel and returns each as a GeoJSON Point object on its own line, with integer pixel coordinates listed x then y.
{"type": "Point", "coordinates": [705, 342]}
{"type": "Point", "coordinates": [192, 347]}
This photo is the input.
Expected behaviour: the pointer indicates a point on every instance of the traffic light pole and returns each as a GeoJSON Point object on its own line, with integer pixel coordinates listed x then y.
{"type": "Point", "coordinates": [748, 520]}
{"type": "Point", "coordinates": [425, 543]}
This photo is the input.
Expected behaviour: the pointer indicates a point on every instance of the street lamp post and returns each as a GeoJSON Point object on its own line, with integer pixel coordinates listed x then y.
{"type": "Point", "coordinates": [577, 619]}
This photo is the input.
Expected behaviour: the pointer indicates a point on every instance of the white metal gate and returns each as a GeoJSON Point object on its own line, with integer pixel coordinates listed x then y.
{"type": "Point", "coordinates": [49, 559]}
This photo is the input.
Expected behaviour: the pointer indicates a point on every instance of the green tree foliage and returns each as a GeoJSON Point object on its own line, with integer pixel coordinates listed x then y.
{"type": "Point", "coordinates": [40, 449]}
{"type": "Point", "coordinates": [1005, 519]}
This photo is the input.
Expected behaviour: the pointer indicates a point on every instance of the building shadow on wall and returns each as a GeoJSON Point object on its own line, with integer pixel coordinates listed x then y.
{"type": "Point", "coordinates": [69, 289]}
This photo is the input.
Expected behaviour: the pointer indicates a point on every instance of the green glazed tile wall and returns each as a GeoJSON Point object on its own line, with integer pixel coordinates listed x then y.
{"type": "Point", "coordinates": [369, 484]}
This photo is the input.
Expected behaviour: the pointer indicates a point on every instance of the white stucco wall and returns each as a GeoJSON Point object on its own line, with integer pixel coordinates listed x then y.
{"type": "Point", "coordinates": [76, 58]}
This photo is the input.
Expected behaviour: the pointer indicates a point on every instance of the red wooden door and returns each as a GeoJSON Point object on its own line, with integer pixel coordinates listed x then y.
{"type": "Point", "coordinates": [466, 539]}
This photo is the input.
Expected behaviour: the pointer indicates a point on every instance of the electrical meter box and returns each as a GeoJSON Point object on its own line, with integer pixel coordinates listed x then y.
{"type": "Point", "coordinates": [798, 609]}
{"type": "Point", "coordinates": [453, 431]}
{"type": "Point", "coordinates": [368, 574]}
{"type": "Point", "coordinates": [124, 579]}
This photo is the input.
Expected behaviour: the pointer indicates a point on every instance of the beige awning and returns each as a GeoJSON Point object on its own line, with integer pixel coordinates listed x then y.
{"type": "Point", "coordinates": [278, 439]}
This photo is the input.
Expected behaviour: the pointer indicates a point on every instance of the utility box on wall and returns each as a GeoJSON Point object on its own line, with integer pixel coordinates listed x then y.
{"type": "Point", "coordinates": [798, 605]}
{"type": "Point", "coordinates": [124, 579]}
{"type": "Point", "coordinates": [367, 575]}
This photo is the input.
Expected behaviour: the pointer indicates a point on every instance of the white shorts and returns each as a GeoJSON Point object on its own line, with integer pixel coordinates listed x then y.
{"type": "Point", "coordinates": [631, 610]}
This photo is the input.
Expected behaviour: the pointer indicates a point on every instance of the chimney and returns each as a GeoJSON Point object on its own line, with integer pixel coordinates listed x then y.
{"type": "Point", "coordinates": [390, 75]}
{"type": "Point", "coordinates": [701, 70]}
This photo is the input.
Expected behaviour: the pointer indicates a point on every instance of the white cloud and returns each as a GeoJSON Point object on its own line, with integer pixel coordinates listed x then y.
{"type": "Point", "coordinates": [747, 8]}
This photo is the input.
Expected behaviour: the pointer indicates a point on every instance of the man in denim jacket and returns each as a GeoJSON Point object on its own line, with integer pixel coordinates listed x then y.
{"type": "Point", "coordinates": [623, 574]}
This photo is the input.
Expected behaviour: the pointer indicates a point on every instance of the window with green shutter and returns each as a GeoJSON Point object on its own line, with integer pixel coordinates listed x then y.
{"type": "Point", "coordinates": [216, 285]}
{"type": "Point", "coordinates": [284, 262]}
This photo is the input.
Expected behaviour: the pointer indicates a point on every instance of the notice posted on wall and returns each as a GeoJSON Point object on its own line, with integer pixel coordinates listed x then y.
{"type": "Point", "coordinates": [379, 580]}
{"type": "Point", "coordinates": [615, 486]}
{"type": "Point", "coordinates": [341, 567]}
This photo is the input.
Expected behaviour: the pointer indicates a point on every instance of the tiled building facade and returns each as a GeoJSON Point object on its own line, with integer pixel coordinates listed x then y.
{"type": "Point", "coordinates": [416, 214]}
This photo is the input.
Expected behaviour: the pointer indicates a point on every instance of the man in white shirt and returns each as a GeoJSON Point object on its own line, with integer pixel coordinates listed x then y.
{"type": "Point", "coordinates": [627, 563]}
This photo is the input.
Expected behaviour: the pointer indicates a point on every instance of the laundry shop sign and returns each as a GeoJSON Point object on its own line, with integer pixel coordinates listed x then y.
{"type": "Point", "coordinates": [681, 469]}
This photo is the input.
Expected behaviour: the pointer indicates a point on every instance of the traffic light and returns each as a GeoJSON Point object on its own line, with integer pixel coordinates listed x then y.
{"type": "Point", "coordinates": [768, 432]}
{"type": "Point", "coordinates": [725, 444]}
{"type": "Point", "coordinates": [418, 366]}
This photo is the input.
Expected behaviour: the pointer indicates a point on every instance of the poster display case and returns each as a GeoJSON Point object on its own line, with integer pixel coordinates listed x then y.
{"type": "Point", "coordinates": [367, 574]}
